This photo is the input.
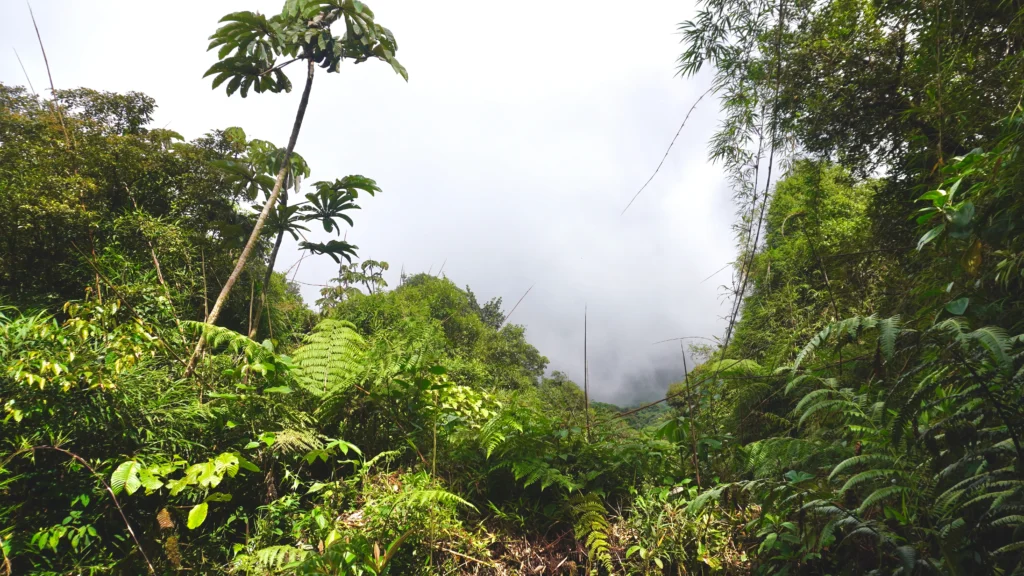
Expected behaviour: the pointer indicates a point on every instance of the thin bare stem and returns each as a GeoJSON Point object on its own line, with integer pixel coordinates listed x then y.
{"type": "Point", "coordinates": [25, 72]}
{"type": "Point", "coordinates": [505, 319]}
{"type": "Point", "coordinates": [206, 294]}
{"type": "Point", "coordinates": [669, 149]}
{"type": "Point", "coordinates": [586, 375]}
{"type": "Point", "coordinates": [53, 90]}
{"type": "Point", "coordinates": [693, 426]}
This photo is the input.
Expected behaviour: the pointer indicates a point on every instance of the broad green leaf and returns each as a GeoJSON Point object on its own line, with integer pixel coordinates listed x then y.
{"type": "Point", "coordinates": [197, 515]}
{"type": "Point", "coordinates": [126, 477]}
{"type": "Point", "coordinates": [958, 307]}
{"type": "Point", "coordinates": [929, 236]}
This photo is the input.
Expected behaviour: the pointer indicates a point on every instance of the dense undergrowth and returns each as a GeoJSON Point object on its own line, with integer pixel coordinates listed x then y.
{"type": "Point", "coordinates": [171, 404]}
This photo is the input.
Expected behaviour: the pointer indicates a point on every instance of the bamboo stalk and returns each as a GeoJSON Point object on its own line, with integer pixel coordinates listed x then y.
{"type": "Point", "coordinates": [586, 374]}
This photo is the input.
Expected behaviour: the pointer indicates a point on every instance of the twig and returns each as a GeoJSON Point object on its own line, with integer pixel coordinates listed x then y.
{"type": "Point", "coordinates": [281, 65]}
{"type": "Point", "coordinates": [685, 338]}
{"type": "Point", "coordinates": [453, 552]}
{"type": "Point", "coordinates": [669, 149]}
{"type": "Point", "coordinates": [505, 319]}
{"type": "Point", "coordinates": [863, 252]}
{"type": "Point", "coordinates": [252, 293]}
{"type": "Point", "coordinates": [716, 273]}
{"type": "Point", "coordinates": [686, 388]}
{"type": "Point", "coordinates": [206, 293]}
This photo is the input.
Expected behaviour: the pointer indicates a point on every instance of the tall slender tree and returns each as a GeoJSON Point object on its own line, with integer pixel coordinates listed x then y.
{"type": "Point", "coordinates": [254, 51]}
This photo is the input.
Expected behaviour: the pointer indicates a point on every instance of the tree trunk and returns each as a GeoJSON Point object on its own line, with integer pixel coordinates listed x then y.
{"type": "Point", "coordinates": [260, 221]}
{"type": "Point", "coordinates": [268, 274]}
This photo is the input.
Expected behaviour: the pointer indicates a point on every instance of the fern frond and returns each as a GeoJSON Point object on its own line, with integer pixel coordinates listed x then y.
{"type": "Point", "coordinates": [888, 331]}
{"type": "Point", "coordinates": [497, 430]}
{"type": "Point", "coordinates": [592, 527]}
{"type": "Point", "coordinates": [535, 471]}
{"type": "Point", "coordinates": [219, 337]}
{"type": "Point", "coordinates": [1014, 547]}
{"type": "Point", "coordinates": [995, 341]}
{"type": "Point", "coordinates": [795, 383]}
{"type": "Point", "coordinates": [331, 357]}
{"type": "Point", "coordinates": [772, 456]}
{"type": "Point", "coordinates": [387, 455]}
{"type": "Point", "coordinates": [842, 405]}
{"type": "Point", "coordinates": [812, 397]}
{"type": "Point", "coordinates": [435, 497]}
{"type": "Point", "coordinates": [880, 495]}
{"type": "Point", "coordinates": [859, 460]}
{"type": "Point", "coordinates": [1007, 521]}
{"type": "Point", "coordinates": [866, 476]}
{"type": "Point", "coordinates": [292, 441]}
{"type": "Point", "coordinates": [278, 558]}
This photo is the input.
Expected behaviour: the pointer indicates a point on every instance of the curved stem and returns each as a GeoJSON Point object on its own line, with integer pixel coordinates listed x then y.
{"type": "Point", "coordinates": [266, 282]}
{"type": "Point", "coordinates": [211, 318]}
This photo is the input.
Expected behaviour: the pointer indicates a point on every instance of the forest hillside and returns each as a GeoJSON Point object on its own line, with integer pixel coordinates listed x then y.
{"type": "Point", "coordinates": [170, 403]}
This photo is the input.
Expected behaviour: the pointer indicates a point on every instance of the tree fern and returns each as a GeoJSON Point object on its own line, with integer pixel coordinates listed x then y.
{"type": "Point", "coordinates": [330, 358]}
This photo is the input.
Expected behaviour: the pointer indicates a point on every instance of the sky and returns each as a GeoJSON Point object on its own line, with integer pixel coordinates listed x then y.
{"type": "Point", "coordinates": [505, 161]}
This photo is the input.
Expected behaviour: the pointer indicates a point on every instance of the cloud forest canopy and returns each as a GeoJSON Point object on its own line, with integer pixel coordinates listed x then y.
{"type": "Point", "coordinates": [170, 403]}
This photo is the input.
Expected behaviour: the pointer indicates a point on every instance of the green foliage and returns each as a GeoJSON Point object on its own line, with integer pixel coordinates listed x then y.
{"type": "Point", "coordinates": [121, 193]}
{"type": "Point", "coordinates": [250, 44]}
{"type": "Point", "coordinates": [864, 415]}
